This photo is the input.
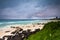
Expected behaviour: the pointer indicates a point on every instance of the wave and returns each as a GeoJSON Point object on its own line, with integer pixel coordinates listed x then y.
{"type": "Point", "coordinates": [1, 23]}
{"type": "Point", "coordinates": [19, 22]}
{"type": "Point", "coordinates": [10, 22]}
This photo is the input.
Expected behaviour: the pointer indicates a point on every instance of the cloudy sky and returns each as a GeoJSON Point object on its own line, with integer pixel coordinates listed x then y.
{"type": "Point", "coordinates": [29, 9]}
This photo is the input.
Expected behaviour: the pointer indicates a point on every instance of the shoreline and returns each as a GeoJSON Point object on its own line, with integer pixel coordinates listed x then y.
{"type": "Point", "coordinates": [12, 30]}
{"type": "Point", "coordinates": [7, 31]}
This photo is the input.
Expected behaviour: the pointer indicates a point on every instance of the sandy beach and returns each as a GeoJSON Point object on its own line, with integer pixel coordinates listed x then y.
{"type": "Point", "coordinates": [12, 28]}
{"type": "Point", "coordinates": [6, 31]}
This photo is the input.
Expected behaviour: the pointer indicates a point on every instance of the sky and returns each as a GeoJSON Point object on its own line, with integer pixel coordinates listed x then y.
{"type": "Point", "coordinates": [29, 9]}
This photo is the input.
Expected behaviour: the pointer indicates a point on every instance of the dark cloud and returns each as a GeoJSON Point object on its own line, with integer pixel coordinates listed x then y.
{"type": "Point", "coordinates": [29, 9]}
{"type": "Point", "coordinates": [49, 2]}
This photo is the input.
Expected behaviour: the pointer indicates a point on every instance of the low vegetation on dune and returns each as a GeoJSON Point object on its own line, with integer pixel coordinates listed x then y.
{"type": "Point", "coordinates": [51, 31]}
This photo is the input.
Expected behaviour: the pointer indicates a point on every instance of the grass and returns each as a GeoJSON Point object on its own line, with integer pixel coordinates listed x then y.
{"type": "Point", "coordinates": [51, 31]}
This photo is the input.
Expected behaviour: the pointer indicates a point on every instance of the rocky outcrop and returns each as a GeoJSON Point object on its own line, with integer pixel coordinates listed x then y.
{"type": "Point", "coordinates": [19, 34]}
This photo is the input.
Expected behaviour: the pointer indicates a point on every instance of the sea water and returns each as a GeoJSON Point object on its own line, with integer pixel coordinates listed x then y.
{"type": "Point", "coordinates": [5, 22]}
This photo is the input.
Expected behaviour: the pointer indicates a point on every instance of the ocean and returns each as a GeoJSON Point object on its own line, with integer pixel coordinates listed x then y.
{"type": "Point", "coordinates": [5, 22]}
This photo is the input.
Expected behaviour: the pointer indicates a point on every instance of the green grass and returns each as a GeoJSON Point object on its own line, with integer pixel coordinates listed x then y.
{"type": "Point", "coordinates": [51, 31]}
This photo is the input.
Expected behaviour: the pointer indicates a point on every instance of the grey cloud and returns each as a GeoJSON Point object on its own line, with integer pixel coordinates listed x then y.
{"type": "Point", "coordinates": [21, 11]}
{"type": "Point", "coordinates": [30, 10]}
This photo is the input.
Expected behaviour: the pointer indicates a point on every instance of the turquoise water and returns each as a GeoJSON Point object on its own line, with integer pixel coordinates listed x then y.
{"type": "Point", "coordinates": [4, 22]}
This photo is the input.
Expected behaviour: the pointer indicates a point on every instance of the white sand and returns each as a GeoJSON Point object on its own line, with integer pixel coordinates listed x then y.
{"type": "Point", "coordinates": [6, 31]}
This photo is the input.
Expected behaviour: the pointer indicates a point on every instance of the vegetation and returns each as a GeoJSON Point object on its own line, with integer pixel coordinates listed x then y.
{"type": "Point", "coordinates": [51, 31]}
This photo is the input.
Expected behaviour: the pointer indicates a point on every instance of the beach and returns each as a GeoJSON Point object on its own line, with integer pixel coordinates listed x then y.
{"type": "Point", "coordinates": [12, 28]}
{"type": "Point", "coordinates": [20, 29]}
